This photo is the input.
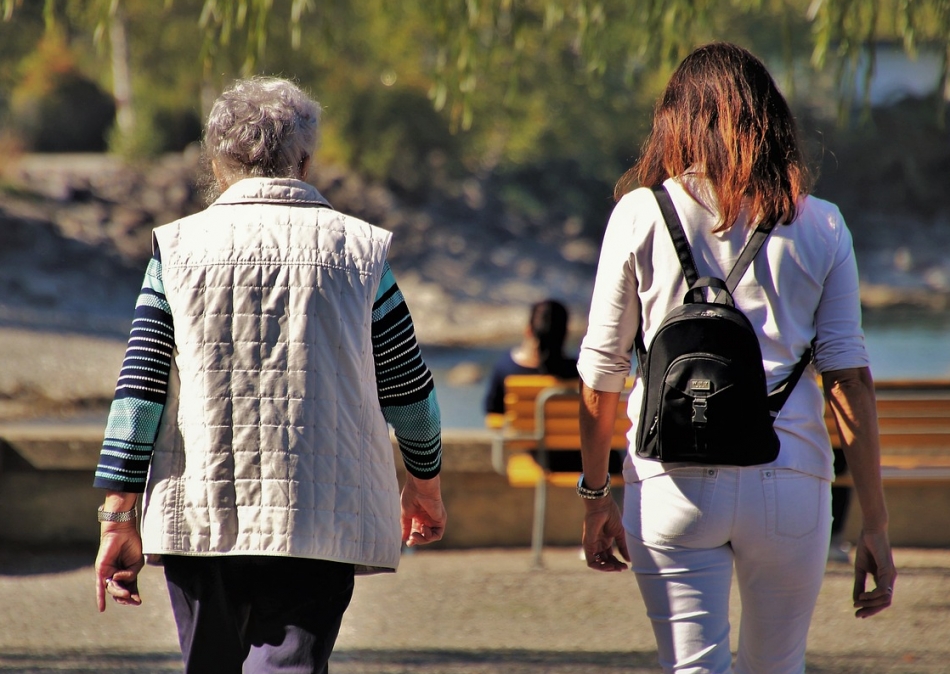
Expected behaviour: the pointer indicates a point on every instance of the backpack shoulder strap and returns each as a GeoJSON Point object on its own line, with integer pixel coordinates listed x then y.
{"type": "Point", "coordinates": [675, 227]}
{"type": "Point", "coordinates": [685, 253]}
{"type": "Point", "coordinates": [751, 249]}
{"type": "Point", "coordinates": [780, 394]}
{"type": "Point", "coordinates": [761, 234]}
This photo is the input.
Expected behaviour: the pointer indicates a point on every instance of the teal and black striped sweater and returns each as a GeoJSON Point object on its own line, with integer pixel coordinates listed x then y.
{"type": "Point", "coordinates": [404, 385]}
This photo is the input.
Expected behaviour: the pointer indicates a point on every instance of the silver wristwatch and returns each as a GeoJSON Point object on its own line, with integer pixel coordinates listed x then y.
{"type": "Point", "coordinates": [127, 516]}
{"type": "Point", "coordinates": [586, 492]}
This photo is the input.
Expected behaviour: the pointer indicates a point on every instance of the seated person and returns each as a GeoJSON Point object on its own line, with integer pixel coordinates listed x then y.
{"type": "Point", "coordinates": [541, 352]}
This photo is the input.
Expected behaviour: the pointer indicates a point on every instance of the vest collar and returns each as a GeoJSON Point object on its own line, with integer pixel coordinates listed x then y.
{"type": "Point", "coordinates": [272, 190]}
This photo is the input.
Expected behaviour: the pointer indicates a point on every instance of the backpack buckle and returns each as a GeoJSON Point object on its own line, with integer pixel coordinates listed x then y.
{"type": "Point", "coordinates": [700, 389]}
{"type": "Point", "coordinates": [699, 411]}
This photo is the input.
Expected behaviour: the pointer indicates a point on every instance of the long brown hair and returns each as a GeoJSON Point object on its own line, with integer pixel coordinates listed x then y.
{"type": "Point", "coordinates": [723, 117]}
{"type": "Point", "coordinates": [548, 324]}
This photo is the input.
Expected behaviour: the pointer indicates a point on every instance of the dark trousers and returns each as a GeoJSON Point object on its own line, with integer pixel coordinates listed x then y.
{"type": "Point", "coordinates": [257, 614]}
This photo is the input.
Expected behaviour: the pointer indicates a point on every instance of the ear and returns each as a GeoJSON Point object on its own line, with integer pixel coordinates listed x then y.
{"type": "Point", "coordinates": [219, 175]}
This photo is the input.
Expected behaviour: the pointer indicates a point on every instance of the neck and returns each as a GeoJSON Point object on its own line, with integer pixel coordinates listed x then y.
{"type": "Point", "coordinates": [526, 354]}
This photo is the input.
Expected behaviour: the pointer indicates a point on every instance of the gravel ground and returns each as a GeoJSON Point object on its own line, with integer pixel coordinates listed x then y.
{"type": "Point", "coordinates": [461, 612]}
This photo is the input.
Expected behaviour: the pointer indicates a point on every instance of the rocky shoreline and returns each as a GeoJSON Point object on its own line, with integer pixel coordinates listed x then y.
{"type": "Point", "coordinates": [75, 233]}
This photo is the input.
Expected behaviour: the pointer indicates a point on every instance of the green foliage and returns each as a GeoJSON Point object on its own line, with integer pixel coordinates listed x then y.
{"type": "Point", "coordinates": [55, 108]}
{"type": "Point", "coordinates": [602, 38]}
{"type": "Point", "coordinates": [847, 32]}
{"type": "Point", "coordinates": [146, 140]}
{"type": "Point", "coordinates": [891, 166]}
{"type": "Point", "coordinates": [398, 138]}
{"type": "Point", "coordinates": [547, 100]}
{"type": "Point", "coordinates": [16, 40]}
{"type": "Point", "coordinates": [223, 19]}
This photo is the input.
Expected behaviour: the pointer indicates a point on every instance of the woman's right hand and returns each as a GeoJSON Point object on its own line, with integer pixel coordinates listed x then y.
{"type": "Point", "coordinates": [602, 530]}
{"type": "Point", "coordinates": [118, 564]}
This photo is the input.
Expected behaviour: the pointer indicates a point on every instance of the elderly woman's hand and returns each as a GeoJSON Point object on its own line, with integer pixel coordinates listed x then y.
{"type": "Point", "coordinates": [118, 564]}
{"type": "Point", "coordinates": [423, 515]}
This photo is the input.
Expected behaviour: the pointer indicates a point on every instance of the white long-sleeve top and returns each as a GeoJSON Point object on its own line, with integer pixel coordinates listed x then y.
{"type": "Point", "coordinates": [801, 288]}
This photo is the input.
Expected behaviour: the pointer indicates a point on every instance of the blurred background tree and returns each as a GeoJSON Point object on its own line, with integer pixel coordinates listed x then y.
{"type": "Point", "coordinates": [543, 102]}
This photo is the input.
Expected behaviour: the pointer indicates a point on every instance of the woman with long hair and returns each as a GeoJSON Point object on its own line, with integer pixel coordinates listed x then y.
{"type": "Point", "coordinates": [541, 351]}
{"type": "Point", "coordinates": [724, 145]}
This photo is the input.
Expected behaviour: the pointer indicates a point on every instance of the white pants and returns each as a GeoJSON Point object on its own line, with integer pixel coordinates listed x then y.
{"type": "Point", "coordinates": [685, 531]}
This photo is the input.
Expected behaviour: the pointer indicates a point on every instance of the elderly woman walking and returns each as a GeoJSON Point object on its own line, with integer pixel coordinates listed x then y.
{"type": "Point", "coordinates": [724, 147]}
{"type": "Point", "coordinates": [270, 347]}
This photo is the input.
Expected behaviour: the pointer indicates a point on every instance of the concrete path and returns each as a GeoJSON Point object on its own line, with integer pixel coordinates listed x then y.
{"type": "Point", "coordinates": [461, 612]}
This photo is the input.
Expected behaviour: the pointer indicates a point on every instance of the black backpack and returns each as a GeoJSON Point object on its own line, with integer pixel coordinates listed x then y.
{"type": "Point", "coordinates": [706, 398]}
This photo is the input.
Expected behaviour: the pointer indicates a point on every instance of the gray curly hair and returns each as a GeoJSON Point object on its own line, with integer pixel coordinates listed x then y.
{"type": "Point", "coordinates": [261, 127]}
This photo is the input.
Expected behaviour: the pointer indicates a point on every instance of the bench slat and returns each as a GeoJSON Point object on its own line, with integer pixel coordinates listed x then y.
{"type": "Point", "coordinates": [573, 442]}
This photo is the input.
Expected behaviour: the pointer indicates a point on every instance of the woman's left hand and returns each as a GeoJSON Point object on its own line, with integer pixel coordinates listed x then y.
{"type": "Point", "coordinates": [423, 513]}
{"type": "Point", "coordinates": [602, 530]}
{"type": "Point", "coordinates": [873, 557]}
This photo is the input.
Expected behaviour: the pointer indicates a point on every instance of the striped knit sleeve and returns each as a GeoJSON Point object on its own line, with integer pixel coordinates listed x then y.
{"type": "Point", "coordinates": [141, 390]}
{"type": "Point", "coordinates": [404, 383]}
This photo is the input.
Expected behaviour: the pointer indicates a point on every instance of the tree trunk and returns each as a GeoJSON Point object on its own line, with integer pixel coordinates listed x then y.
{"type": "Point", "coordinates": [121, 73]}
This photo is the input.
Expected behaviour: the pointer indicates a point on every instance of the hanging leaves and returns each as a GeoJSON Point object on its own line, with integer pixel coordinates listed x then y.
{"type": "Point", "coordinates": [471, 38]}
{"type": "Point", "coordinates": [850, 30]}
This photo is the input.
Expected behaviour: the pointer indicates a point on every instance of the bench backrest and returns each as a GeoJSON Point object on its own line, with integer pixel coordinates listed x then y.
{"type": "Point", "coordinates": [913, 416]}
{"type": "Point", "coordinates": [542, 408]}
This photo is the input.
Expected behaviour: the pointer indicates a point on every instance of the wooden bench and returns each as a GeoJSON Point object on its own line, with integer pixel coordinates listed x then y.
{"type": "Point", "coordinates": [541, 414]}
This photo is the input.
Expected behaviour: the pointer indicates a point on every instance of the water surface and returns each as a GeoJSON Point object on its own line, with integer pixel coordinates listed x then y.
{"type": "Point", "coordinates": [902, 345]}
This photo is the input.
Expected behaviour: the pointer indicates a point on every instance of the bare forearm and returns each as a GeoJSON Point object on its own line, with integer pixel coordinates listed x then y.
{"type": "Point", "coordinates": [851, 396]}
{"type": "Point", "coordinates": [431, 488]}
{"type": "Point", "coordinates": [119, 501]}
{"type": "Point", "coordinates": [597, 417]}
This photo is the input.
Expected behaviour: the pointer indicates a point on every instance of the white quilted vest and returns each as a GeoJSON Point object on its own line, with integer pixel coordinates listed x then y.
{"type": "Point", "coordinates": [273, 441]}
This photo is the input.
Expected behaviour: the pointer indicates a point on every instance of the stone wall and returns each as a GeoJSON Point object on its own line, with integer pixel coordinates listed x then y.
{"type": "Point", "coordinates": [46, 496]}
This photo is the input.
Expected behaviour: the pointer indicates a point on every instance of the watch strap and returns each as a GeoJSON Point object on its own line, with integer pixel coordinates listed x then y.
{"type": "Point", "coordinates": [126, 516]}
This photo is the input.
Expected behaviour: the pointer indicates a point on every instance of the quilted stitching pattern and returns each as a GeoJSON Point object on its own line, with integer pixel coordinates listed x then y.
{"type": "Point", "coordinates": [281, 446]}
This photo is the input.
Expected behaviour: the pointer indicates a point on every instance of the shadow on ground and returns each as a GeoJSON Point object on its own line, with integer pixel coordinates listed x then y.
{"type": "Point", "coordinates": [470, 662]}
{"type": "Point", "coordinates": [90, 663]}
{"type": "Point", "coordinates": [445, 662]}
{"type": "Point", "coordinates": [31, 561]}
